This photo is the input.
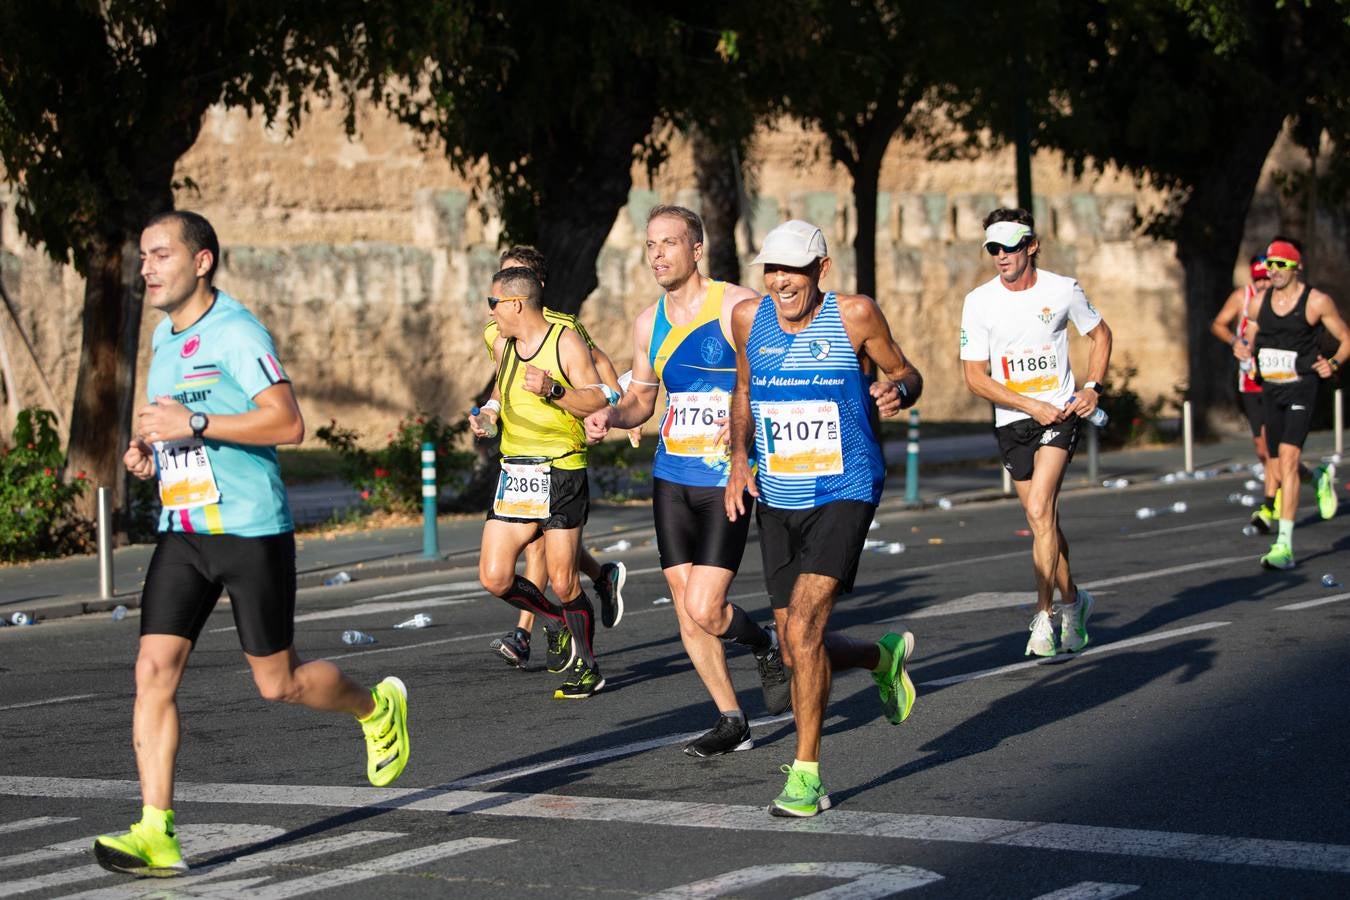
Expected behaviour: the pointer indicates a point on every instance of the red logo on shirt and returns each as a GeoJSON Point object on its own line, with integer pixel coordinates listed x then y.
{"type": "Point", "coordinates": [190, 346]}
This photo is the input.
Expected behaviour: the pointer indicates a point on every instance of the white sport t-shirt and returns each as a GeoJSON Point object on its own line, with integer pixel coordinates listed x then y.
{"type": "Point", "coordinates": [1024, 336]}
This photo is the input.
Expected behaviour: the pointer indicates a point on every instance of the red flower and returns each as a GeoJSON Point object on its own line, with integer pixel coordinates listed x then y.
{"type": "Point", "coordinates": [380, 473]}
{"type": "Point", "coordinates": [365, 495]}
{"type": "Point", "coordinates": [80, 476]}
{"type": "Point", "coordinates": [421, 420]}
{"type": "Point", "coordinates": [47, 472]}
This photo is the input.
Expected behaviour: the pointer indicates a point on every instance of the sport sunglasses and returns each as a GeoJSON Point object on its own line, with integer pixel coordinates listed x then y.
{"type": "Point", "coordinates": [993, 247]}
{"type": "Point", "coordinates": [493, 301]}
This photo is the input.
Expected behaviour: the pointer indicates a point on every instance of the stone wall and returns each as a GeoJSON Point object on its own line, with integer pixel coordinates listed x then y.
{"type": "Point", "coordinates": [369, 259]}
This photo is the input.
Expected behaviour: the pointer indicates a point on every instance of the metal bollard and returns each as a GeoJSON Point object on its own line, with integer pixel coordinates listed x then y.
{"type": "Point", "coordinates": [1007, 483]}
{"type": "Point", "coordinates": [105, 539]}
{"type": "Point", "coordinates": [430, 539]}
{"type": "Point", "coordinates": [912, 459]}
{"type": "Point", "coordinates": [1186, 436]}
{"type": "Point", "coordinates": [1338, 417]}
{"type": "Point", "coordinates": [1093, 441]}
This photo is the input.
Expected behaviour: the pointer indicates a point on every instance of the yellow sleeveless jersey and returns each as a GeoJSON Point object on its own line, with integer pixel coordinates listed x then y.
{"type": "Point", "coordinates": [567, 320]}
{"type": "Point", "coordinates": [532, 425]}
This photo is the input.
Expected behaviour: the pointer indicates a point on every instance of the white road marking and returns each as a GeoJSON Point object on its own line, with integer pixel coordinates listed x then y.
{"type": "Point", "coordinates": [1100, 648]}
{"type": "Point", "coordinates": [1321, 601]}
{"type": "Point", "coordinates": [35, 822]}
{"type": "Point", "coordinates": [44, 854]}
{"type": "Point", "coordinates": [370, 609]}
{"type": "Point", "coordinates": [986, 600]}
{"type": "Point", "coordinates": [866, 881]}
{"type": "Point", "coordinates": [1090, 890]}
{"type": "Point", "coordinates": [453, 586]}
{"type": "Point", "coordinates": [197, 841]}
{"type": "Point", "coordinates": [1191, 527]}
{"type": "Point", "coordinates": [251, 862]}
{"type": "Point", "coordinates": [47, 702]}
{"type": "Point", "coordinates": [1080, 839]}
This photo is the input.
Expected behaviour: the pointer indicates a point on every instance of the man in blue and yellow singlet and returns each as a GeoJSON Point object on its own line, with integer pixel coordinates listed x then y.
{"type": "Point", "coordinates": [803, 399]}
{"type": "Point", "coordinates": [547, 381]}
{"type": "Point", "coordinates": [220, 402]}
{"type": "Point", "coordinates": [683, 341]}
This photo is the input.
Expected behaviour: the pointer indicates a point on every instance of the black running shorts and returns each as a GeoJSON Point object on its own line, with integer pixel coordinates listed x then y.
{"type": "Point", "coordinates": [827, 540]}
{"type": "Point", "coordinates": [569, 502]}
{"type": "Point", "coordinates": [1289, 412]}
{"type": "Point", "coordinates": [692, 526]}
{"type": "Point", "coordinates": [1018, 442]}
{"type": "Point", "coordinates": [1254, 409]}
{"type": "Point", "coordinates": [188, 571]}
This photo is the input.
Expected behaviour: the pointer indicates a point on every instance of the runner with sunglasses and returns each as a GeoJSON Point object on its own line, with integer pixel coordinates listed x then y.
{"type": "Point", "coordinates": [547, 381]}
{"type": "Point", "coordinates": [1290, 367]}
{"type": "Point", "coordinates": [1015, 353]}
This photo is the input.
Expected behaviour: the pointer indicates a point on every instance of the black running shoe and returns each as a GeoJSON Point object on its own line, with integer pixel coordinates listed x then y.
{"type": "Point", "coordinates": [773, 678]}
{"type": "Point", "coordinates": [583, 682]}
{"type": "Point", "coordinates": [727, 736]}
{"type": "Point", "coordinates": [514, 647]}
{"type": "Point", "coordinates": [562, 650]}
{"type": "Point", "coordinates": [610, 588]}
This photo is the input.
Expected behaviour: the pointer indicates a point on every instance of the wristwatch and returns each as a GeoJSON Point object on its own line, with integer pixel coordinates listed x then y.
{"type": "Point", "coordinates": [1093, 386]}
{"type": "Point", "coordinates": [556, 391]}
{"type": "Point", "coordinates": [198, 422]}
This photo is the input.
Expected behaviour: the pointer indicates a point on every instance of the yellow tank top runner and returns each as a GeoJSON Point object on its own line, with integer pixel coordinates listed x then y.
{"type": "Point", "coordinates": [532, 425]}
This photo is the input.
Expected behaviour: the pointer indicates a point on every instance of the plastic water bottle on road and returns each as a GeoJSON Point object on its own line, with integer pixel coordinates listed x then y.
{"type": "Point", "coordinates": [1329, 580]}
{"type": "Point", "coordinates": [421, 620]}
{"type": "Point", "coordinates": [352, 636]}
{"type": "Point", "coordinates": [335, 580]}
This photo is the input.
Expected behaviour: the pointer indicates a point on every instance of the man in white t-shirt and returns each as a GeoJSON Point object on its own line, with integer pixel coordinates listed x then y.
{"type": "Point", "coordinates": [1015, 353]}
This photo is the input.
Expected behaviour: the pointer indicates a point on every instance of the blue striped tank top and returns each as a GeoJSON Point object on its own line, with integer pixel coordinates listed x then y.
{"type": "Point", "coordinates": [809, 400]}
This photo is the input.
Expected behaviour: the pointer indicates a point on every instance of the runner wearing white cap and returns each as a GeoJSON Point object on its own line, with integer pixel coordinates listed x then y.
{"type": "Point", "coordinates": [1015, 354]}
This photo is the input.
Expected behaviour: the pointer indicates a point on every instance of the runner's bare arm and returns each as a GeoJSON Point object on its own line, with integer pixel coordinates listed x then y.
{"type": "Point", "coordinates": [1330, 317]}
{"type": "Point", "coordinates": [1099, 360]}
{"type": "Point", "coordinates": [639, 401]}
{"type": "Point", "coordinates": [1221, 327]}
{"type": "Point", "coordinates": [979, 382]}
{"type": "Point", "coordinates": [900, 384]}
{"type": "Point", "coordinates": [276, 420]}
{"type": "Point", "coordinates": [739, 479]}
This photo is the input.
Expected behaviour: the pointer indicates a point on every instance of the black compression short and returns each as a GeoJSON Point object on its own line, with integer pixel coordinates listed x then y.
{"type": "Point", "coordinates": [692, 526]}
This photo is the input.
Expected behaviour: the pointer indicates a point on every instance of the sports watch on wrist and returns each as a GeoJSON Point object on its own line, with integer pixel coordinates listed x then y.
{"type": "Point", "coordinates": [1093, 386]}
{"type": "Point", "coordinates": [556, 391]}
{"type": "Point", "coordinates": [198, 422]}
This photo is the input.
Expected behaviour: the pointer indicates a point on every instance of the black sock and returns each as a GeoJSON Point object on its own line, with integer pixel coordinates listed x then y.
{"type": "Point", "coordinates": [524, 595]}
{"type": "Point", "coordinates": [1270, 501]}
{"type": "Point", "coordinates": [580, 617]}
{"type": "Point", "coordinates": [745, 632]}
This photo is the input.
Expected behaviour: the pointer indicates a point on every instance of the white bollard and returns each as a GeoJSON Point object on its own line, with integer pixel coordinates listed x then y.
{"type": "Point", "coordinates": [105, 536]}
{"type": "Point", "coordinates": [1007, 483]}
{"type": "Point", "coordinates": [1186, 436]}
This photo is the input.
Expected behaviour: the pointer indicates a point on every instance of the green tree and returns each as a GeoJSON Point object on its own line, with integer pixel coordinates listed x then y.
{"type": "Point", "coordinates": [98, 100]}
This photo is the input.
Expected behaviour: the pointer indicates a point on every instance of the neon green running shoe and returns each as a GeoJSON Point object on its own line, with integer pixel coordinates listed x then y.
{"type": "Point", "coordinates": [387, 732]}
{"type": "Point", "coordinates": [1281, 556]}
{"type": "Point", "coordinates": [1326, 491]}
{"type": "Point", "coordinates": [802, 796]}
{"type": "Point", "coordinates": [897, 691]}
{"type": "Point", "coordinates": [149, 849]}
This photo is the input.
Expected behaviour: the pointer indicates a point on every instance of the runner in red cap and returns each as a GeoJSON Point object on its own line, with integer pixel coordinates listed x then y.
{"type": "Point", "coordinates": [1290, 367]}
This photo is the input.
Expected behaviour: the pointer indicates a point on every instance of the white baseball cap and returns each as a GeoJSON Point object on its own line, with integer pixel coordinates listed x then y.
{"type": "Point", "coordinates": [794, 243]}
{"type": "Point", "coordinates": [1006, 234]}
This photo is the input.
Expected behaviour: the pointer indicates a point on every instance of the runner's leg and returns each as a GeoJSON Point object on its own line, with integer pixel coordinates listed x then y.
{"type": "Point", "coordinates": [155, 731]}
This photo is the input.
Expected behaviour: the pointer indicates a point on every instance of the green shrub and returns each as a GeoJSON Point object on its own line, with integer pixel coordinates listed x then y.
{"type": "Point", "coordinates": [36, 515]}
{"type": "Point", "coordinates": [1132, 421]}
{"type": "Point", "coordinates": [390, 478]}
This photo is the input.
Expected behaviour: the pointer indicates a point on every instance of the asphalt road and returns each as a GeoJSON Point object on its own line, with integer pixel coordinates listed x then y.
{"type": "Point", "coordinates": [1197, 749]}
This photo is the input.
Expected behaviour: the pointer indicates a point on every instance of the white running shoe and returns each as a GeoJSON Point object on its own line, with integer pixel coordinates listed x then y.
{"type": "Point", "coordinates": [1073, 634]}
{"type": "Point", "coordinates": [1042, 641]}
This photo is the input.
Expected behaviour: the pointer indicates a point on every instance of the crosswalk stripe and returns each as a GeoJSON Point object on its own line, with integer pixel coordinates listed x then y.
{"type": "Point", "coordinates": [36, 822]}
{"type": "Point", "coordinates": [1090, 890]}
{"type": "Point", "coordinates": [860, 824]}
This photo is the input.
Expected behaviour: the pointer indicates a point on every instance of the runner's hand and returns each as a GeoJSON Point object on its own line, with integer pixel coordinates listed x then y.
{"type": "Point", "coordinates": [477, 423]}
{"type": "Point", "coordinates": [1046, 413]}
{"type": "Point", "coordinates": [1242, 350]}
{"type": "Point", "coordinates": [164, 420]}
{"type": "Point", "coordinates": [1083, 402]}
{"type": "Point", "coordinates": [739, 482]}
{"type": "Point", "coordinates": [1322, 367]}
{"type": "Point", "coordinates": [597, 425]}
{"type": "Point", "coordinates": [538, 381]}
{"type": "Point", "coordinates": [139, 459]}
{"type": "Point", "coordinates": [723, 435]}
{"type": "Point", "coordinates": [887, 396]}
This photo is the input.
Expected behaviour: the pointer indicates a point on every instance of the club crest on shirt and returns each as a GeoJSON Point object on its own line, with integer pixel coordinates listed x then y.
{"type": "Point", "coordinates": [191, 346]}
{"type": "Point", "coordinates": [712, 351]}
{"type": "Point", "coordinates": [820, 348]}
{"type": "Point", "coordinates": [1046, 315]}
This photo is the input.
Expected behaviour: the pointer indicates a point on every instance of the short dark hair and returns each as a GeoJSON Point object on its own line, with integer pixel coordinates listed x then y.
{"type": "Point", "coordinates": [529, 257]}
{"type": "Point", "coordinates": [692, 223]}
{"type": "Point", "coordinates": [1018, 215]}
{"type": "Point", "coordinates": [195, 231]}
{"type": "Point", "coordinates": [520, 281]}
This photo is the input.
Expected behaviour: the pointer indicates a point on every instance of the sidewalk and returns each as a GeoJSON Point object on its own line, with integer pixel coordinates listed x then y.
{"type": "Point", "coordinates": [961, 469]}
